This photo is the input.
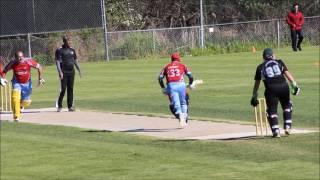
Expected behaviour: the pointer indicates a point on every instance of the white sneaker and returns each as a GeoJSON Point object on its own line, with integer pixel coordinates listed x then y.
{"type": "Point", "coordinates": [16, 119]}
{"type": "Point", "coordinates": [183, 119]}
{"type": "Point", "coordinates": [287, 130]}
{"type": "Point", "coordinates": [276, 133]}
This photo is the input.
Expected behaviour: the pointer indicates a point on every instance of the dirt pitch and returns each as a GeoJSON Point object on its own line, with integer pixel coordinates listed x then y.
{"type": "Point", "coordinates": [160, 127]}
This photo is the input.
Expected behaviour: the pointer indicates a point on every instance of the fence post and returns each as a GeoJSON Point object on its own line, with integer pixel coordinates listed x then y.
{"type": "Point", "coordinates": [104, 26]}
{"type": "Point", "coordinates": [278, 32]}
{"type": "Point", "coordinates": [201, 26]}
{"type": "Point", "coordinates": [29, 45]}
{"type": "Point", "coordinates": [154, 41]}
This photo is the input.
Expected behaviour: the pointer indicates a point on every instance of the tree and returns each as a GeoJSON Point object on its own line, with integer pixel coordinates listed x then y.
{"type": "Point", "coordinates": [149, 14]}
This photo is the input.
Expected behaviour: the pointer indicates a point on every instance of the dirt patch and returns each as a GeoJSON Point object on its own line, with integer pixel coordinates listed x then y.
{"type": "Point", "coordinates": [167, 128]}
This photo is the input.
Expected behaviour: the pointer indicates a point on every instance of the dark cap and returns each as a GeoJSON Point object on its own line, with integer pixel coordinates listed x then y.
{"type": "Point", "coordinates": [267, 53]}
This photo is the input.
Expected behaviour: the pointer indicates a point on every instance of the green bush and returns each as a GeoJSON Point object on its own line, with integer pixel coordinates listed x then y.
{"type": "Point", "coordinates": [44, 59]}
{"type": "Point", "coordinates": [137, 45]}
{"type": "Point", "coordinates": [230, 47]}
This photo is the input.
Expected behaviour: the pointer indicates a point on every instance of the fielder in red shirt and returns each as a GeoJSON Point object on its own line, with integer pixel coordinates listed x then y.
{"type": "Point", "coordinates": [295, 19]}
{"type": "Point", "coordinates": [21, 81]}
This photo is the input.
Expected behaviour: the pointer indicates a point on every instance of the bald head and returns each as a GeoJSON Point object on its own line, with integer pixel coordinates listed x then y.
{"type": "Point", "coordinates": [19, 55]}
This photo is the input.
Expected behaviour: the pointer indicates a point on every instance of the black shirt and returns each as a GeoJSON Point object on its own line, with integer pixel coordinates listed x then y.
{"type": "Point", "coordinates": [271, 72]}
{"type": "Point", "coordinates": [67, 57]}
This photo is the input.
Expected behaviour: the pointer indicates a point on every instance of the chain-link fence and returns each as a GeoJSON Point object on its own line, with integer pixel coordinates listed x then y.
{"type": "Point", "coordinates": [156, 42]}
{"type": "Point", "coordinates": [88, 43]}
{"type": "Point", "coordinates": [34, 16]}
{"type": "Point", "coordinates": [36, 27]}
{"type": "Point", "coordinates": [235, 37]}
{"type": "Point", "coordinates": [218, 38]}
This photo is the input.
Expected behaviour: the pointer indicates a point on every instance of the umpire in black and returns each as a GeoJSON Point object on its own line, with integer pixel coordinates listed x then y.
{"type": "Point", "coordinates": [274, 72]}
{"type": "Point", "coordinates": [66, 59]}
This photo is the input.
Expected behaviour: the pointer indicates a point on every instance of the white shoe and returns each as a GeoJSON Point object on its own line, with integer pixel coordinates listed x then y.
{"type": "Point", "coordinates": [183, 119]}
{"type": "Point", "coordinates": [276, 133]}
{"type": "Point", "coordinates": [287, 130]}
{"type": "Point", "coordinates": [16, 119]}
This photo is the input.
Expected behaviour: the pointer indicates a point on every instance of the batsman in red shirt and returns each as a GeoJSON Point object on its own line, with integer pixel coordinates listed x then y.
{"type": "Point", "coordinates": [21, 82]}
{"type": "Point", "coordinates": [176, 88]}
{"type": "Point", "coordinates": [295, 19]}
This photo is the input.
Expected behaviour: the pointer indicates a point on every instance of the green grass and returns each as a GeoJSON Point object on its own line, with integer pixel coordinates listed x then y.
{"type": "Point", "coordinates": [53, 152]}
{"type": "Point", "coordinates": [132, 86]}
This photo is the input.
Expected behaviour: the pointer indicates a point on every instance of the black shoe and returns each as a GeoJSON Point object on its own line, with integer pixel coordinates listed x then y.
{"type": "Point", "coordinates": [295, 49]}
{"type": "Point", "coordinates": [71, 109]}
{"type": "Point", "coordinates": [299, 47]}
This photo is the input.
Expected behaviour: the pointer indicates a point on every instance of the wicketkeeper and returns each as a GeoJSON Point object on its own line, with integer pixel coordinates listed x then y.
{"type": "Point", "coordinates": [176, 88]}
{"type": "Point", "coordinates": [21, 81]}
{"type": "Point", "coordinates": [273, 72]}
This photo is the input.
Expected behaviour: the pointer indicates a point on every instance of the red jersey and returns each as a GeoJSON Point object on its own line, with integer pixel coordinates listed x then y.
{"type": "Point", "coordinates": [1, 70]}
{"type": "Point", "coordinates": [22, 69]}
{"type": "Point", "coordinates": [174, 71]}
{"type": "Point", "coordinates": [295, 20]}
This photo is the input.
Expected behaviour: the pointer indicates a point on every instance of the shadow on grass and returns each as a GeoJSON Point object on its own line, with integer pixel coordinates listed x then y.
{"type": "Point", "coordinates": [97, 131]}
{"type": "Point", "coordinates": [134, 130]}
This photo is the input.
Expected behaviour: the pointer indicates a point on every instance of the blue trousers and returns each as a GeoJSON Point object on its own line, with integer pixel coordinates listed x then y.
{"type": "Point", "coordinates": [26, 89]}
{"type": "Point", "coordinates": [177, 93]}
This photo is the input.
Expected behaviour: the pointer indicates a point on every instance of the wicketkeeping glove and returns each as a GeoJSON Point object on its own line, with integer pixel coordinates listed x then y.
{"type": "Point", "coordinates": [295, 90]}
{"type": "Point", "coordinates": [254, 100]}
{"type": "Point", "coordinates": [3, 82]}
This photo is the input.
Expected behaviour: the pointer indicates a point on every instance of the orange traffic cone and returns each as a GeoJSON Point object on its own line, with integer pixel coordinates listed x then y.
{"type": "Point", "coordinates": [254, 49]}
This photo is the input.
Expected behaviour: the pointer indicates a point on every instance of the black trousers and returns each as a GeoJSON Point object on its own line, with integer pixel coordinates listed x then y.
{"type": "Point", "coordinates": [66, 84]}
{"type": "Point", "coordinates": [296, 35]}
{"type": "Point", "coordinates": [274, 94]}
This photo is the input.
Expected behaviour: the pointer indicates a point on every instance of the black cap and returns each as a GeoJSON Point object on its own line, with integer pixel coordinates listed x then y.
{"type": "Point", "coordinates": [267, 53]}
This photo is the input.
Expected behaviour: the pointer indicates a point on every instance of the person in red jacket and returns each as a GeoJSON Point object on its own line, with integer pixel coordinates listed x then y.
{"type": "Point", "coordinates": [295, 19]}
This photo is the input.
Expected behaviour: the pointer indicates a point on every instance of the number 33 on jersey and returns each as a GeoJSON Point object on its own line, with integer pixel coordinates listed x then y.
{"type": "Point", "coordinates": [174, 72]}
